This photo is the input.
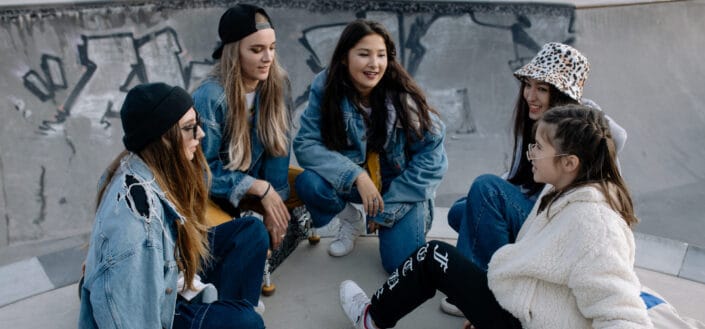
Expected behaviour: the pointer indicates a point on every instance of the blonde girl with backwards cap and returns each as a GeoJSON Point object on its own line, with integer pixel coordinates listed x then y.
{"type": "Point", "coordinates": [244, 112]}
{"type": "Point", "coordinates": [150, 246]}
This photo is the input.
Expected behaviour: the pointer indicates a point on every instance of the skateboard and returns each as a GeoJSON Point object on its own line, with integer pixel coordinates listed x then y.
{"type": "Point", "coordinates": [300, 228]}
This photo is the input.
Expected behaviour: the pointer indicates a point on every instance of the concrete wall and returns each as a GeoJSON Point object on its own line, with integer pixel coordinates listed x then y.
{"type": "Point", "coordinates": [65, 72]}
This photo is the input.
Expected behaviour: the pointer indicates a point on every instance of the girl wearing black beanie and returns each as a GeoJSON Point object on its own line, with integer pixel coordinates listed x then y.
{"type": "Point", "coordinates": [150, 248]}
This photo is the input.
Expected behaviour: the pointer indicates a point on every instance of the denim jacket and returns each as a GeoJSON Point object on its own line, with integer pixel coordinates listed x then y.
{"type": "Point", "coordinates": [419, 172]}
{"type": "Point", "coordinates": [131, 270]}
{"type": "Point", "coordinates": [210, 103]}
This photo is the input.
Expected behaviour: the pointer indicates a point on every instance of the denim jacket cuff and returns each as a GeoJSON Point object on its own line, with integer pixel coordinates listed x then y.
{"type": "Point", "coordinates": [347, 178]}
{"type": "Point", "coordinates": [240, 190]}
{"type": "Point", "coordinates": [392, 213]}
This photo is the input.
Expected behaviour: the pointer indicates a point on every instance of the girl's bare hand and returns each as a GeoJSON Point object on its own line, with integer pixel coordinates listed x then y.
{"type": "Point", "coordinates": [372, 201]}
{"type": "Point", "coordinates": [276, 216]}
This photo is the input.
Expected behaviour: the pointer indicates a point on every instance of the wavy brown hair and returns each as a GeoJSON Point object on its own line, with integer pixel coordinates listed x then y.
{"type": "Point", "coordinates": [185, 184]}
{"type": "Point", "coordinates": [523, 134]}
{"type": "Point", "coordinates": [414, 116]}
{"type": "Point", "coordinates": [584, 132]}
{"type": "Point", "coordinates": [273, 121]}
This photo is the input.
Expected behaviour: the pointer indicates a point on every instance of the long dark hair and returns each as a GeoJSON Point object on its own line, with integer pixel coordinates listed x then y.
{"type": "Point", "coordinates": [523, 127]}
{"type": "Point", "coordinates": [396, 82]}
{"type": "Point", "coordinates": [584, 132]}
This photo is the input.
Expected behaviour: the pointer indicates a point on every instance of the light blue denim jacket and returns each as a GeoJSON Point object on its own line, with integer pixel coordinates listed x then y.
{"type": "Point", "coordinates": [131, 271]}
{"type": "Point", "coordinates": [210, 103]}
{"type": "Point", "coordinates": [419, 174]}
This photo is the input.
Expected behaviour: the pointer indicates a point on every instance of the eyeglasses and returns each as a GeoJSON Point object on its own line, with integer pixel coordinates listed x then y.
{"type": "Point", "coordinates": [193, 128]}
{"type": "Point", "coordinates": [533, 148]}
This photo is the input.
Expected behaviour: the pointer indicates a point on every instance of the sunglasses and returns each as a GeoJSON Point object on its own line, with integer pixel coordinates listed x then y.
{"type": "Point", "coordinates": [193, 128]}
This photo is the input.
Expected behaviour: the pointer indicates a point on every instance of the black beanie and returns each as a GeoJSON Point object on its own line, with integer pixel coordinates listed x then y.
{"type": "Point", "coordinates": [237, 23]}
{"type": "Point", "coordinates": [149, 110]}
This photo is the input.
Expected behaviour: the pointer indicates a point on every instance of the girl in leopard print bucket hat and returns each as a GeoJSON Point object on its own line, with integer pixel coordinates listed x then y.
{"type": "Point", "coordinates": [496, 206]}
{"type": "Point", "coordinates": [559, 65]}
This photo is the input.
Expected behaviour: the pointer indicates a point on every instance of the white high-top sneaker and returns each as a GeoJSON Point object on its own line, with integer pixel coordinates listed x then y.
{"type": "Point", "coordinates": [350, 228]}
{"type": "Point", "coordinates": [354, 302]}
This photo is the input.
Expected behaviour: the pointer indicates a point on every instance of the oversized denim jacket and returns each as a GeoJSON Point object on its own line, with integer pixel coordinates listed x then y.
{"type": "Point", "coordinates": [210, 103]}
{"type": "Point", "coordinates": [131, 270]}
{"type": "Point", "coordinates": [419, 172]}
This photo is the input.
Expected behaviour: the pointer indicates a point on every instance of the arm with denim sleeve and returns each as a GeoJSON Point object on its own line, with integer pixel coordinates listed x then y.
{"type": "Point", "coordinates": [310, 151]}
{"type": "Point", "coordinates": [210, 103]}
{"type": "Point", "coordinates": [130, 302]}
{"type": "Point", "coordinates": [424, 172]}
{"type": "Point", "coordinates": [127, 287]}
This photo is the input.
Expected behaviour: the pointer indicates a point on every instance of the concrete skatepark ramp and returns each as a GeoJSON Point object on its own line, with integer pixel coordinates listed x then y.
{"type": "Point", "coordinates": [65, 70]}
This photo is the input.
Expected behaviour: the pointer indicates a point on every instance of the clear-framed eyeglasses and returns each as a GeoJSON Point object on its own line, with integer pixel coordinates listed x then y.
{"type": "Point", "coordinates": [193, 128]}
{"type": "Point", "coordinates": [533, 150]}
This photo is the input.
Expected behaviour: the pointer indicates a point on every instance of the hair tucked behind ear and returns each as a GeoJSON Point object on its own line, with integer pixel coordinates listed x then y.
{"type": "Point", "coordinates": [584, 132]}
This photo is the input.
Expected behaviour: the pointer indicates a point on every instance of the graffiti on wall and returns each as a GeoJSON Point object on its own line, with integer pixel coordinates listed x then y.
{"type": "Point", "coordinates": [88, 75]}
{"type": "Point", "coordinates": [122, 57]}
{"type": "Point", "coordinates": [157, 56]}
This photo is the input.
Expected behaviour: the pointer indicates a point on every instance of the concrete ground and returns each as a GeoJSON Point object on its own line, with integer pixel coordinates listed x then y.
{"type": "Point", "coordinates": [307, 292]}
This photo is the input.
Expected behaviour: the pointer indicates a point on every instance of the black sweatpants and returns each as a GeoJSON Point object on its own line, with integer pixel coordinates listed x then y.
{"type": "Point", "coordinates": [439, 266]}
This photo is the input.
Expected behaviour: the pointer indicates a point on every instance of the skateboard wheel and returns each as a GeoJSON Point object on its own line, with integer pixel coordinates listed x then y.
{"type": "Point", "coordinates": [268, 290]}
{"type": "Point", "coordinates": [314, 239]}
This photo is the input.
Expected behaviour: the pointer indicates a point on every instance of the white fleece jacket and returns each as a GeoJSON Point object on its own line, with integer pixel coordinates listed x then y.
{"type": "Point", "coordinates": [571, 267]}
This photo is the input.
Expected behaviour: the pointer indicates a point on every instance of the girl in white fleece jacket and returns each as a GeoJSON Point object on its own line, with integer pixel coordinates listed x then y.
{"type": "Point", "coordinates": [572, 265]}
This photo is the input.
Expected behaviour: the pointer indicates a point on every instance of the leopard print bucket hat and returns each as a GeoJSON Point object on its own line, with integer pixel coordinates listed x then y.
{"type": "Point", "coordinates": [560, 65]}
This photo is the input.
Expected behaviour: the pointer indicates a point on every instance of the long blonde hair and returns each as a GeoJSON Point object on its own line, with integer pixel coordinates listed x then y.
{"type": "Point", "coordinates": [273, 117]}
{"type": "Point", "coordinates": [185, 183]}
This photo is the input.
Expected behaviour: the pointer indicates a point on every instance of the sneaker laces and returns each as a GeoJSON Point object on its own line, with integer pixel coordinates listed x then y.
{"type": "Point", "coordinates": [347, 232]}
{"type": "Point", "coordinates": [359, 304]}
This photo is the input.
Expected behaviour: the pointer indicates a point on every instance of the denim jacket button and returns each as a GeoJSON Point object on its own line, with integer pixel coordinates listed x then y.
{"type": "Point", "coordinates": [168, 291]}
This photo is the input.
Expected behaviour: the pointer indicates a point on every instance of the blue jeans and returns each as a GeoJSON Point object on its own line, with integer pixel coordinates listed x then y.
{"type": "Point", "coordinates": [239, 249]}
{"type": "Point", "coordinates": [489, 217]}
{"type": "Point", "coordinates": [396, 243]}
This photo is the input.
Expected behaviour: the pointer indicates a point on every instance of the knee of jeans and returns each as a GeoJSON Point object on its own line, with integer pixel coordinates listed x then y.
{"type": "Point", "coordinates": [455, 215]}
{"type": "Point", "coordinates": [308, 184]}
{"type": "Point", "coordinates": [256, 233]}
{"type": "Point", "coordinates": [242, 318]}
{"type": "Point", "coordinates": [483, 185]}
{"type": "Point", "coordinates": [250, 320]}
{"type": "Point", "coordinates": [391, 259]}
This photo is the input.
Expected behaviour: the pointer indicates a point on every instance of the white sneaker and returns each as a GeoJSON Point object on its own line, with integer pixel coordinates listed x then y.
{"type": "Point", "coordinates": [349, 230]}
{"type": "Point", "coordinates": [260, 308]}
{"type": "Point", "coordinates": [354, 302]}
{"type": "Point", "coordinates": [451, 309]}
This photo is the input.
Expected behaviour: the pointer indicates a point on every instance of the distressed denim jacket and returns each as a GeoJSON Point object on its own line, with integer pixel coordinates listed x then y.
{"type": "Point", "coordinates": [418, 173]}
{"type": "Point", "coordinates": [210, 103]}
{"type": "Point", "coordinates": [131, 271]}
